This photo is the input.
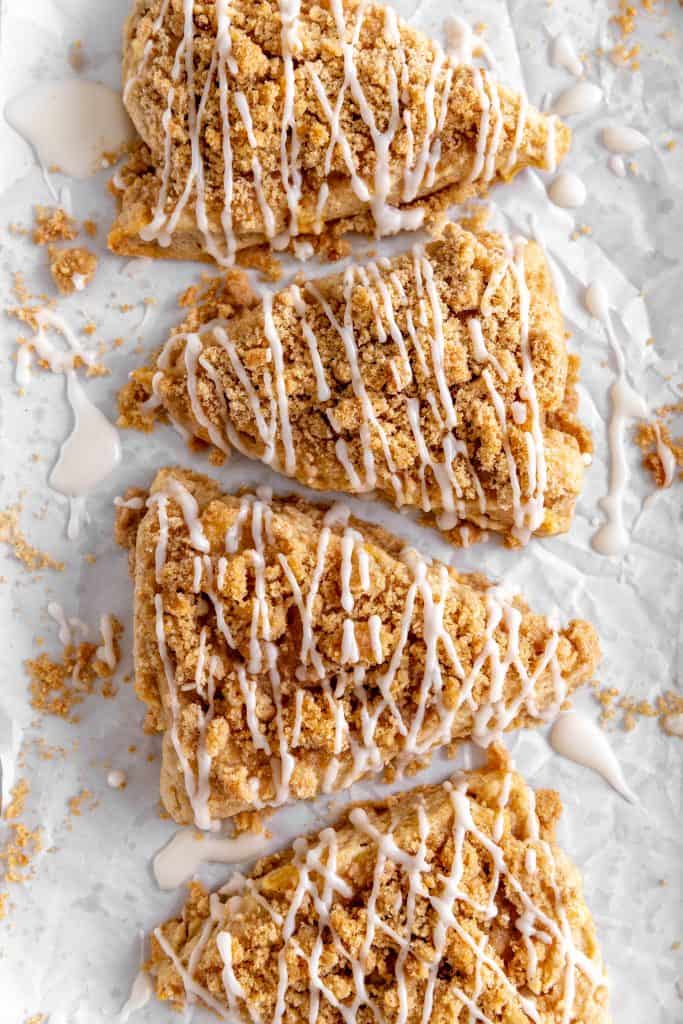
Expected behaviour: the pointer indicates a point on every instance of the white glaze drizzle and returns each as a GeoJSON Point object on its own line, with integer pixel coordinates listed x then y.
{"type": "Point", "coordinates": [323, 882]}
{"type": "Point", "coordinates": [424, 353]}
{"type": "Point", "coordinates": [613, 537]}
{"type": "Point", "coordinates": [434, 719]}
{"type": "Point", "coordinates": [375, 186]}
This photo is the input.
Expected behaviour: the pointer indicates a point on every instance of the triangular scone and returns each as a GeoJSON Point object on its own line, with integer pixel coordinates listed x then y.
{"type": "Point", "coordinates": [265, 121]}
{"type": "Point", "coordinates": [439, 379]}
{"type": "Point", "coordinates": [285, 650]}
{"type": "Point", "coordinates": [450, 903]}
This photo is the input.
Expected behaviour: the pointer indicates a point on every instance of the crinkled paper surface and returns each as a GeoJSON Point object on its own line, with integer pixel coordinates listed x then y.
{"type": "Point", "coordinates": [70, 945]}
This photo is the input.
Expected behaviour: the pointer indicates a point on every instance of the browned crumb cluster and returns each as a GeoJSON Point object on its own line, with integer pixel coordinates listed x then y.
{"type": "Point", "coordinates": [18, 796]}
{"type": "Point", "coordinates": [72, 269]}
{"type": "Point", "coordinates": [625, 712]}
{"type": "Point", "coordinates": [257, 47]}
{"type": "Point", "coordinates": [18, 851]}
{"type": "Point", "coordinates": [56, 687]}
{"type": "Point", "coordinates": [649, 437]}
{"type": "Point", "coordinates": [77, 57]}
{"type": "Point", "coordinates": [52, 224]}
{"type": "Point", "coordinates": [495, 978]}
{"type": "Point", "coordinates": [240, 765]}
{"type": "Point", "coordinates": [462, 265]}
{"type": "Point", "coordinates": [26, 553]}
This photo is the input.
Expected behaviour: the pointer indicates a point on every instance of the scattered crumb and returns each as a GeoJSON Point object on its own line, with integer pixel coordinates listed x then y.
{"type": "Point", "coordinates": [18, 796]}
{"type": "Point", "coordinates": [52, 224]}
{"type": "Point", "coordinates": [72, 269]}
{"type": "Point", "coordinates": [21, 847]}
{"type": "Point", "coordinates": [77, 57]}
{"type": "Point", "coordinates": [27, 554]}
{"type": "Point", "coordinates": [3, 905]}
{"type": "Point", "coordinates": [57, 687]}
{"type": "Point", "coordinates": [662, 454]}
{"type": "Point", "coordinates": [90, 228]}
{"type": "Point", "coordinates": [625, 712]}
{"type": "Point", "coordinates": [76, 803]}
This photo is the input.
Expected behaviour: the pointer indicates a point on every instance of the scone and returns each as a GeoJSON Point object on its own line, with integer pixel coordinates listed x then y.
{"type": "Point", "coordinates": [439, 379]}
{"type": "Point", "coordinates": [286, 649]}
{"type": "Point", "coordinates": [450, 903]}
{"type": "Point", "coordinates": [263, 122]}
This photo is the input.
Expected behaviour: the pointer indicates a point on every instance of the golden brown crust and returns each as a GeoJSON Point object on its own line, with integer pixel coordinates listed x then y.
{"type": "Point", "coordinates": [480, 486]}
{"type": "Point", "coordinates": [383, 59]}
{"type": "Point", "coordinates": [317, 712]}
{"type": "Point", "coordinates": [482, 961]}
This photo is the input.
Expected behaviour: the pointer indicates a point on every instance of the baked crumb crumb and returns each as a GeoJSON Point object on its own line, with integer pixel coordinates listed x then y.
{"type": "Point", "coordinates": [56, 687]}
{"type": "Point", "coordinates": [53, 224]}
{"type": "Point", "coordinates": [18, 796]}
{"type": "Point", "coordinates": [625, 712]}
{"type": "Point", "coordinates": [90, 228]}
{"type": "Point", "coordinates": [662, 454]}
{"type": "Point", "coordinates": [26, 553]}
{"type": "Point", "coordinates": [77, 58]}
{"type": "Point", "coordinates": [72, 269]}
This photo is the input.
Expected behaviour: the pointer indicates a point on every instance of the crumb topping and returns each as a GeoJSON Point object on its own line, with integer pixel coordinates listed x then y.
{"type": "Point", "coordinates": [447, 903]}
{"type": "Point", "coordinates": [23, 550]}
{"type": "Point", "coordinates": [286, 650]}
{"type": "Point", "coordinates": [439, 379]}
{"type": "Point", "coordinates": [52, 224]}
{"type": "Point", "coordinates": [263, 122]}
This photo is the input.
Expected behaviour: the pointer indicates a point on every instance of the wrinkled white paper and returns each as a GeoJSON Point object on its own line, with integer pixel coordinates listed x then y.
{"type": "Point", "coordinates": [70, 947]}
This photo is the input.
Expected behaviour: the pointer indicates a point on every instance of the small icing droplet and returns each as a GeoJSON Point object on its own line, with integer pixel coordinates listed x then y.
{"type": "Point", "coordinates": [140, 994]}
{"type": "Point", "coordinates": [617, 166]}
{"type": "Point", "coordinates": [578, 99]}
{"type": "Point", "coordinates": [567, 190]}
{"type": "Point", "coordinates": [582, 741]}
{"type": "Point", "coordinates": [70, 124]}
{"type": "Point", "coordinates": [623, 139]}
{"type": "Point", "coordinates": [188, 850]}
{"type": "Point", "coordinates": [563, 55]}
{"type": "Point", "coordinates": [116, 779]}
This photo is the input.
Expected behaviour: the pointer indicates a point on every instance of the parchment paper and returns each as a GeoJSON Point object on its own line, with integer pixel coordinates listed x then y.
{"type": "Point", "coordinates": [70, 946]}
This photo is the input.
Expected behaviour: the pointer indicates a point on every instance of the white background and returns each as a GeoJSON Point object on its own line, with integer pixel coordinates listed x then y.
{"type": "Point", "coordinates": [70, 946]}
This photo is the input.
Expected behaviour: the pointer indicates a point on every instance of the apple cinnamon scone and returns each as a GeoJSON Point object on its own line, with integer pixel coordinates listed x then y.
{"type": "Point", "coordinates": [439, 379]}
{"type": "Point", "coordinates": [445, 905]}
{"type": "Point", "coordinates": [263, 122]}
{"type": "Point", "coordinates": [286, 649]}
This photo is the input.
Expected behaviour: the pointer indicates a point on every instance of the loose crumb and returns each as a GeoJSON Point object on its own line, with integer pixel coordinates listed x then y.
{"type": "Point", "coordinates": [57, 687]}
{"type": "Point", "coordinates": [77, 57]}
{"type": "Point", "coordinates": [662, 454]}
{"type": "Point", "coordinates": [52, 224]}
{"type": "Point", "coordinates": [26, 553]}
{"type": "Point", "coordinates": [72, 269]}
{"type": "Point", "coordinates": [15, 807]}
{"type": "Point", "coordinates": [22, 845]}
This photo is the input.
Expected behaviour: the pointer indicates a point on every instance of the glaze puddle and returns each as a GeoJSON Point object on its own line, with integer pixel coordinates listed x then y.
{"type": "Point", "coordinates": [582, 741]}
{"type": "Point", "coordinates": [70, 124]}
